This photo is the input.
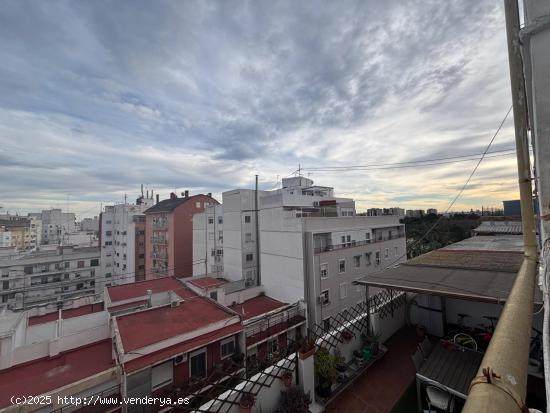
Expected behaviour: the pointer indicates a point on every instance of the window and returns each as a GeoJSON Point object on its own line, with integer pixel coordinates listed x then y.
{"type": "Point", "coordinates": [80, 286]}
{"type": "Point", "coordinates": [197, 204]}
{"type": "Point", "coordinates": [273, 346]}
{"type": "Point", "coordinates": [357, 260]}
{"type": "Point", "coordinates": [249, 257]}
{"type": "Point", "coordinates": [324, 270]}
{"type": "Point", "coordinates": [343, 290]}
{"type": "Point", "coordinates": [108, 243]}
{"type": "Point", "coordinates": [377, 257]}
{"type": "Point", "coordinates": [396, 251]}
{"type": "Point", "coordinates": [94, 263]}
{"type": "Point", "coordinates": [108, 233]}
{"type": "Point", "coordinates": [5, 285]}
{"type": "Point", "coordinates": [28, 270]}
{"type": "Point", "coordinates": [213, 253]}
{"type": "Point", "coordinates": [210, 220]}
{"type": "Point", "coordinates": [219, 252]}
{"type": "Point", "coordinates": [348, 239]}
{"type": "Point", "coordinates": [368, 257]}
{"type": "Point", "coordinates": [67, 264]}
{"type": "Point", "coordinates": [386, 253]}
{"type": "Point", "coordinates": [247, 219]}
{"type": "Point", "coordinates": [197, 365]}
{"type": "Point", "coordinates": [342, 265]}
{"type": "Point", "coordinates": [162, 375]}
{"type": "Point", "coordinates": [325, 298]}
{"type": "Point", "coordinates": [107, 222]}
{"type": "Point", "coordinates": [220, 235]}
{"type": "Point", "coordinates": [343, 239]}
{"type": "Point", "coordinates": [214, 295]}
{"type": "Point", "coordinates": [326, 324]}
{"type": "Point", "coordinates": [227, 347]}
{"type": "Point", "coordinates": [220, 220]}
{"type": "Point", "coordinates": [367, 236]}
{"type": "Point", "coordinates": [248, 237]}
{"type": "Point", "coordinates": [108, 275]}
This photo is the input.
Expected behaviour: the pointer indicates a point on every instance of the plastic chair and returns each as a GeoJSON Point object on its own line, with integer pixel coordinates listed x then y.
{"type": "Point", "coordinates": [439, 399]}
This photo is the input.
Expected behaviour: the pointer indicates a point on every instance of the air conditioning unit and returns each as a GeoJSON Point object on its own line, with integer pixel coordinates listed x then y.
{"type": "Point", "coordinates": [180, 358]}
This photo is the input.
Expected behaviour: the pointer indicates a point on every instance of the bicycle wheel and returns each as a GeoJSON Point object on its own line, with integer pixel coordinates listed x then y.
{"type": "Point", "coordinates": [465, 340]}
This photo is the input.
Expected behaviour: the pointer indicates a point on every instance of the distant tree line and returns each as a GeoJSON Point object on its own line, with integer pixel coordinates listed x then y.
{"type": "Point", "coordinates": [448, 231]}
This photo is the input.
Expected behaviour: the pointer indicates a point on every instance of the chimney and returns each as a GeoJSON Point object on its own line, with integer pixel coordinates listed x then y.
{"type": "Point", "coordinates": [173, 195]}
{"type": "Point", "coordinates": [157, 198]}
{"type": "Point", "coordinates": [149, 298]}
{"type": "Point", "coordinates": [187, 193]}
{"type": "Point", "coordinates": [183, 194]}
{"type": "Point", "coordinates": [210, 194]}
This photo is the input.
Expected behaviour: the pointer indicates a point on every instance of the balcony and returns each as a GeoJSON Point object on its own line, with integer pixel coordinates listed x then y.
{"type": "Point", "coordinates": [354, 244]}
{"type": "Point", "coordinates": [162, 255]}
{"type": "Point", "coordinates": [274, 325]}
{"type": "Point", "coordinates": [159, 240]}
{"type": "Point", "coordinates": [160, 225]}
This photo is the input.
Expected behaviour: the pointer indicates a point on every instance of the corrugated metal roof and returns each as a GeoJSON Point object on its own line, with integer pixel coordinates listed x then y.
{"type": "Point", "coordinates": [505, 261]}
{"type": "Point", "coordinates": [499, 227]}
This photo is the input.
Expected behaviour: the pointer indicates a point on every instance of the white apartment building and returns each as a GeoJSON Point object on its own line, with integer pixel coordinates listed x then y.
{"type": "Point", "coordinates": [208, 241]}
{"type": "Point", "coordinates": [35, 229]}
{"type": "Point", "coordinates": [5, 237]}
{"type": "Point", "coordinates": [312, 244]}
{"type": "Point", "coordinates": [90, 224]}
{"type": "Point", "coordinates": [122, 235]}
{"type": "Point", "coordinates": [49, 278]}
{"type": "Point", "coordinates": [55, 224]}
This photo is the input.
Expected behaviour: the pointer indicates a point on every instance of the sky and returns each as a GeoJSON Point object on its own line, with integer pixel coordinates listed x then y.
{"type": "Point", "coordinates": [99, 97]}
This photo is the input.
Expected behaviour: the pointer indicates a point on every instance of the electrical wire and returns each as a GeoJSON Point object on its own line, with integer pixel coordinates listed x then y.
{"type": "Point", "coordinates": [436, 223]}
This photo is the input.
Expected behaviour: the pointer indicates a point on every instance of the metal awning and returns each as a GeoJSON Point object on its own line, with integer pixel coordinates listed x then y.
{"type": "Point", "coordinates": [465, 284]}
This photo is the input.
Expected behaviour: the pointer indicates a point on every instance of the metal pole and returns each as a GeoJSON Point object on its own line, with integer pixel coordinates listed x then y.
{"type": "Point", "coordinates": [501, 384]}
{"type": "Point", "coordinates": [256, 203]}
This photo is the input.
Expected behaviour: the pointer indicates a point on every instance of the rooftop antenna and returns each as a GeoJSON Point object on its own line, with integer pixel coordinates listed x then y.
{"type": "Point", "coordinates": [142, 190]}
{"type": "Point", "coordinates": [299, 170]}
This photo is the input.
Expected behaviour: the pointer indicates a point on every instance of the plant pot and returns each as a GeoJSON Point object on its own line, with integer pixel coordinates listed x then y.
{"type": "Point", "coordinates": [287, 379]}
{"type": "Point", "coordinates": [305, 354]}
{"type": "Point", "coordinates": [324, 389]}
{"type": "Point", "coordinates": [375, 348]}
{"type": "Point", "coordinates": [342, 368]}
{"type": "Point", "coordinates": [246, 403]}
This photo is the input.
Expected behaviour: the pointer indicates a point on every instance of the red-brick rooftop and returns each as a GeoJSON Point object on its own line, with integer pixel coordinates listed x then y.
{"type": "Point", "coordinates": [207, 282]}
{"type": "Point", "coordinates": [43, 376]}
{"type": "Point", "coordinates": [143, 328]}
{"type": "Point", "coordinates": [65, 314]}
{"type": "Point", "coordinates": [256, 306]}
{"type": "Point", "coordinates": [139, 289]}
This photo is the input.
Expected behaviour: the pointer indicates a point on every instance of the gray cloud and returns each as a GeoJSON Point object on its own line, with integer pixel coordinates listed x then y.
{"type": "Point", "coordinates": [205, 94]}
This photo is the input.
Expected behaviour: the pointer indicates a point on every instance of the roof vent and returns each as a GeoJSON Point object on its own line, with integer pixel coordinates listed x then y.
{"type": "Point", "coordinates": [149, 298]}
{"type": "Point", "coordinates": [175, 303]}
{"type": "Point", "coordinates": [173, 195]}
{"type": "Point", "coordinates": [187, 193]}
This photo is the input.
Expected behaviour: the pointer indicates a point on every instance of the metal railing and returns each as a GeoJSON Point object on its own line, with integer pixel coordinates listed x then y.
{"type": "Point", "coordinates": [353, 244]}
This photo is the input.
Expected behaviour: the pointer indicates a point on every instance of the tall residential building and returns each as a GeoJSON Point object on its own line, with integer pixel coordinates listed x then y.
{"type": "Point", "coordinates": [55, 224]}
{"type": "Point", "coordinates": [50, 278]}
{"type": "Point", "coordinates": [375, 212]}
{"type": "Point", "coordinates": [5, 237]}
{"type": "Point", "coordinates": [312, 245]}
{"type": "Point", "coordinates": [90, 224]}
{"type": "Point", "coordinates": [122, 243]}
{"type": "Point", "coordinates": [169, 235]}
{"type": "Point", "coordinates": [208, 241]}
{"type": "Point", "coordinates": [20, 232]}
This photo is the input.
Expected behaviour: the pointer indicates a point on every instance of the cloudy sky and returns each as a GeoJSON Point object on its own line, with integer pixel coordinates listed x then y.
{"type": "Point", "coordinates": [98, 97]}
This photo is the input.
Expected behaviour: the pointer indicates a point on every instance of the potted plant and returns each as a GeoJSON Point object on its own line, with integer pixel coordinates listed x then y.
{"type": "Point", "coordinates": [347, 335]}
{"type": "Point", "coordinates": [325, 369]}
{"type": "Point", "coordinates": [340, 361]}
{"type": "Point", "coordinates": [358, 357]}
{"type": "Point", "coordinates": [375, 344]}
{"type": "Point", "coordinates": [307, 348]}
{"type": "Point", "coordinates": [293, 400]}
{"type": "Point", "coordinates": [287, 378]}
{"type": "Point", "coordinates": [246, 402]}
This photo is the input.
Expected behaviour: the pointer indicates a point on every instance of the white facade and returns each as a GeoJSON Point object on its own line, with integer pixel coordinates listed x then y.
{"type": "Point", "coordinates": [48, 278]}
{"type": "Point", "coordinates": [5, 238]}
{"type": "Point", "coordinates": [118, 242]}
{"type": "Point", "coordinates": [90, 224]}
{"type": "Point", "coordinates": [55, 224]}
{"type": "Point", "coordinates": [208, 241]}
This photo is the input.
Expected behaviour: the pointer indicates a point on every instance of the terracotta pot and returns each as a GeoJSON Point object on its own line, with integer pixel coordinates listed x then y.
{"type": "Point", "coordinates": [307, 354]}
